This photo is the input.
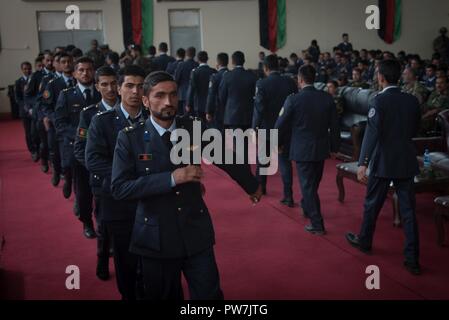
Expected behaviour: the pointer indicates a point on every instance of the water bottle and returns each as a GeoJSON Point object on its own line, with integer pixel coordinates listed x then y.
{"type": "Point", "coordinates": [427, 162]}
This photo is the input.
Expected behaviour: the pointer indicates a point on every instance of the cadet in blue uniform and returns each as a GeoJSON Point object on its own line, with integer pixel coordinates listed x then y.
{"type": "Point", "coordinates": [172, 66]}
{"type": "Point", "coordinates": [199, 87]}
{"type": "Point", "coordinates": [106, 84]}
{"type": "Point", "coordinates": [271, 93]}
{"type": "Point", "coordinates": [67, 113]}
{"type": "Point", "coordinates": [173, 231]}
{"type": "Point", "coordinates": [161, 62]}
{"type": "Point", "coordinates": [312, 118]}
{"type": "Point", "coordinates": [117, 216]}
{"type": "Point", "coordinates": [237, 91]}
{"type": "Point", "coordinates": [214, 107]}
{"type": "Point", "coordinates": [50, 96]}
{"type": "Point", "coordinates": [19, 92]}
{"type": "Point", "coordinates": [182, 77]}
{"type": "Point", "coordinates": [389, 152]}
{"type": "Point", "coordinates": [32, 96]}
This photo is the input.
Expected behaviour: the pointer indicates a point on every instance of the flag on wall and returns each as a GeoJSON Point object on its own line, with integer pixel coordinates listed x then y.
{"type": "Point", "coordinates": [390, 20]}
{"type": "Point", "coordinates": [273, 26]}
{"type": "Point", "coordinates": [137, 19]}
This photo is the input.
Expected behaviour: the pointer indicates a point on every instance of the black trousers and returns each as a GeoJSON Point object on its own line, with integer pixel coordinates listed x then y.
{"type": "Point", "coordinates": [285, 167]}
{"type": "Point", "coordinates": [103, 242]}
{"type": "Point", "coordinates": [27, 123]}
{"type": "Point", "coordinates": [43, 146]}
{"type": "Point", "coordinates": [125, 262]}
{"type": "Point", "coordinates": [34, 131]}
{"type": "Point", "coordinates": [162, 277]}
{"type": "Point", "coordinates": [310, 174]}
{"type": "Point", "coordinates": [83, 192]}
{"type": "Point", "coordinates": [376, 194]}
{"type": "Point", "coordinates": [53, 146]}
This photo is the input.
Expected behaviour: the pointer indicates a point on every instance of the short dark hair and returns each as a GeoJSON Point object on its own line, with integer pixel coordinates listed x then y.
{"type": "Point", "coordinates": [69, 48]}
{"type": "Point", "coordinates": [104, 72]}
{"type": "Point", "coordinates": [57, 55]}
{"type": "Point", "coordinates": [64, 55]}
{"type": "Point", "coordinates": [345, 35]}
{"type": "Point", "coordinates": [191, 52]}
{"type": "Point", "coordinates": [154, 78]}
{"type": "Point", "coordinates": [431, 66]}
{"type": "Point", "coordinates": [163, 46]}
{"type": "Point", "coordinates": [84, 60]}
{"type": "Point", "coordinates": [203, 56]}
{"type": "Point", "coordinates": [238, 58]}
{"type": "Point", "coordinates": [25, 63]}
{"type": "Point", "coordinates": [390, 70]}
{"type": "Point", "coordinates": [181, 52]}
{"type": "Point", "coordinates": [307, 73]}
{"type": "Point", "coordinates": [271, 62]}
{"type": "Point", "coordinates": [39, 59]}
{"type": "Point", "coordinates": [335, 83]}
{"type": "Point", "coordinates": [152, 50]}
{"type": "Point", "coordinates": [223, 59]}
{"type": "Point", "coordinates": [114, 57]}
{"type": "Point", "coordinates": [77, 52]}
{"type": "Point", "coordinates": [131, 70]}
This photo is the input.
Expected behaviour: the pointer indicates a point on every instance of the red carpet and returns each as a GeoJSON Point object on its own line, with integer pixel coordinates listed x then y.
{"type": "Point", "coordinates": [262, 251]}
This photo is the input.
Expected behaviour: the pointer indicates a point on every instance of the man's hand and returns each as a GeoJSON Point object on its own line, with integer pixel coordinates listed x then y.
{"type": "Point", "coordinates": [255, 197]}
{"type": "Point", "coordinates": [188, 174]}
{"type": "Point", "coordinates": [361, 174]}
{"type": "Point", "coordinates": [209, 117]}
{"type": "Point", "coordinates": [46, 122]}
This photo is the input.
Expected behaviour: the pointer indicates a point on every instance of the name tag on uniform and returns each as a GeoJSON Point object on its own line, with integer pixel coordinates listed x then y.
{"type": "Point", "coordinates": [145, 157]}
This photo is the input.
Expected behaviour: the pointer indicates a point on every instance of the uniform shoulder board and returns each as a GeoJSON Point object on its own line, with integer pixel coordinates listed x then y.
{"type": "Point", "coordinates": [52, 80]}
{"type": "Point", "coordinates": [66, 89]}
{"type": "Point", "coordinates": [134, 127]}
{"type": "Point", "coordinates": [105, 112]}
{"type": "Point", "coordinates": [90, 107]}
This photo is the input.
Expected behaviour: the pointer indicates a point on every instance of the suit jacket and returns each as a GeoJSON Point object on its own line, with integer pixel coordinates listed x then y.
{"type": "Point", "coordinates": [19, 96]}
{"type": "Point", "coordinates": [33, 92]}
{"type": "Point", "coordinates": [182, 77]}
{"type": "Point", "coordinates": [170, 222]}
{"type": "Point", "coordinates": [50, 96]}
{"type": "Point", "coordinates": [311, 116]}
{"type": "Point", "coordinates": [387, 147]}
{"type": "Point", "coordinates": [271, 93]}
{"type": "Point", "coordinates": [213, 104]}
{"type": "Point", "coordinates": [199, 87]}
{"type": "Point", "coordinates": [171, 67]}
{"type": "Point", "coordinates": [69, 105]}
{"type": "Point", "coordinates": [161, 62]}
{"type": "Point", "coordinates": [237, 91]}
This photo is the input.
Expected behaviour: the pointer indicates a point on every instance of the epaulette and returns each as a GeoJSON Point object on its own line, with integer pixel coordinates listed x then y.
{"type": "Point", "coordinates": [90, 107]}
{"type": "Point", "coordinates": [52, 80]}
{"type": "Point", "coordinates": [106, 112]}
{"type": "Point", "coordinates": [134, 126]}
{"type": "Point", "coordinates": [66, 89]}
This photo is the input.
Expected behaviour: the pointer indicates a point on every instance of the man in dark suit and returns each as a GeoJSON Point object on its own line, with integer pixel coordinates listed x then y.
{"type": "Point", "coordinates": [236, 92]}
{"type": "Point", "coordinates": [173, 232]}
{"type": "Point", "coordinates": [182, 77]}
{"type": "Point", "coordinates": [214, 107]}
{"type": "Point", "coordinates": [271, 93]}
{"type": "Point", "coordinates": [389, 152]}
{"type": "Point", "coordinates": [67, 115]}
{"type": "Point", "coordinates": [312, 118]}
{"type": "Point", "coordinates": [50, 96]}
{"type": "Point", "coordinates": [180, 56]}
{"type": "Point", "coordinates": [199, 87]}
{"type": "Point", "coordinates": [345, 46]}
{"type": "Point", "coordinates": [106, 84]}
{"type": "Point", "coordinates": [19, 92]}
{"type": "Point", "coordinates": [117, 216]}
{"type": "Point", "coordinates": [161, 62]}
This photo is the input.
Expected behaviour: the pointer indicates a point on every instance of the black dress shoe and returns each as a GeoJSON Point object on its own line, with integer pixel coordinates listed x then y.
{"type": "Point", "coordinates": [67, 189]}
{"type": "Point", "coordinates": [35, 157]}
{"type": "Point", "coordinates": [103, 269]}
{"type": "Point", "coordinates": [55, 178]}
{"type": "Point", "coordinates": [89, 231]}
{"type": "Point", "coordinates": [316, 231]}
{"type": "Point", "coordinates": [44, 167]}
{"type": "Point", "coordinates": [264, 191]}
{"type": "Point", "coordinates": [111, 252]}
{"type": "Point", "coordinates": [355, 242]}
{"type": "Point", "coordinates": [288, 202]}
{"type": "Point", "coordinates": [413, 268]}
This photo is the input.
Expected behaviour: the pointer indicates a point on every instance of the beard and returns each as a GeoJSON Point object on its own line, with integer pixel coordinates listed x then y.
{"type": "Point", "coordinates": [166, 114]}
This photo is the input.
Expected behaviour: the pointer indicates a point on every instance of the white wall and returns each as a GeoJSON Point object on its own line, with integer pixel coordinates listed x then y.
{"type": "Point", "coordinates": [228, 26]}
{"type": "Point", "coordinates": [19, 34]}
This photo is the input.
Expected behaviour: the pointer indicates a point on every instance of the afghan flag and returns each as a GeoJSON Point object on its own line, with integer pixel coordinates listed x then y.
{"type": "Point", "coordinates": [390, 20]}
{"type": "Point", "coordinates": [273, 25]}
{"type": "Point", "coordinates": [137, 18]}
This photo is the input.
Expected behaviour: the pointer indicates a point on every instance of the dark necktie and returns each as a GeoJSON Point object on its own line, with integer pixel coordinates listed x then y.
{"type": "Point", "coordinates": [87, 96]}
{"type": "Point", "coordinates": [70, 83]}
{"type": "Point", "coordinates": [166, 138]}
